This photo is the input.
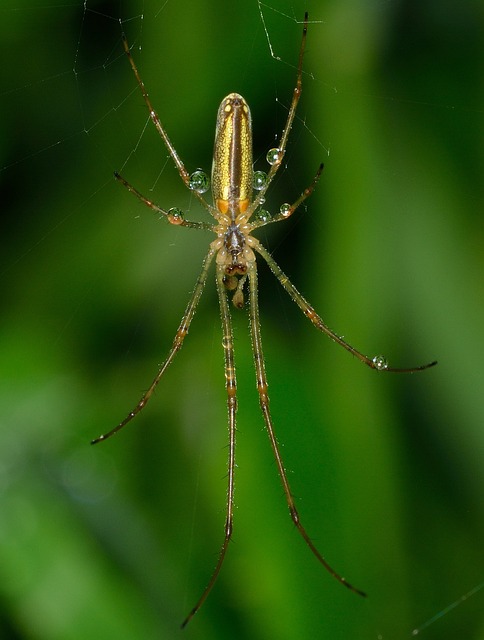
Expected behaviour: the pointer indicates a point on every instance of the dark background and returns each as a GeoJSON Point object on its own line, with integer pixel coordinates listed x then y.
{"type": "Point", "coordinates": [118, 541]}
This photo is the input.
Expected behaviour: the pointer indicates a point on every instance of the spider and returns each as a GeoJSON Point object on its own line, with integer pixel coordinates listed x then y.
{"type": "Point", "coordinates": [238, 213]}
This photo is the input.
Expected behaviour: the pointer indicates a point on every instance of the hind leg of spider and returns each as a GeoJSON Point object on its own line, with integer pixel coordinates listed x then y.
{"type": "Point", "coordinates": [176, 346]}
{"type": "Point", "coordinates": [231, 387]}
{"type": "Point", "coordinates": [264, 403]}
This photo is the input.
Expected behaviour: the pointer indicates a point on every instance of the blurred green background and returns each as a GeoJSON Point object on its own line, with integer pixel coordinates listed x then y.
{"type": "Point", "coordinates": [118, 541]}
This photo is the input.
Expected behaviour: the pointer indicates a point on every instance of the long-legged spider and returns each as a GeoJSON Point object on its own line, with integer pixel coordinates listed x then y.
{"type": "Point", "coordinates": [237, 215]}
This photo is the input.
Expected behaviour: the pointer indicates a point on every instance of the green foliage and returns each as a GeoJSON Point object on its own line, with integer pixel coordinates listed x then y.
{"type": "Point", "coordinates": [118, 540]}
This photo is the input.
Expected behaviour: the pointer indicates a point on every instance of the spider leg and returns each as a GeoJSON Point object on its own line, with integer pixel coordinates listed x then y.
{"type": "Point", "coordinates": [231, 386]}
{"type": "Point", "coordinates": [289, 122]}
{"type": "Point", "coordinates": [176, 346]}
{"type": "Point", "coordinates": [284, 214]}
{"type": "Point", "coordinates": [173, 216]}
{"type": "Point", "coordinates": [264, 403]}
{"type": "Point", "coordinates": [378, 362]}
{"type": "Point", "coordinates": [184, 175]}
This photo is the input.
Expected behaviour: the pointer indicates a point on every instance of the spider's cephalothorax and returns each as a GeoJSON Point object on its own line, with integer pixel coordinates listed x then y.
{"type": "Point", "coordinates": [238, 213]}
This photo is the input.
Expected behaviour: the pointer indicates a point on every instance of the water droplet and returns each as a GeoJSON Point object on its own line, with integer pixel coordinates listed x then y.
{"type": "Point", "coordinates": [285, 210]}
{"type": "Point", "coordinates": [263, 215]}
{"type": "Point", "coordinates": [260, 179]}
{"type": "Point", "coordinates": [380, 363]}
{"type": "Point", "coordinates": [175, 215]}
{"type": "Point", "coordinates": [273, 156]}
{"type": "Point", "coordinates": [199, 181]}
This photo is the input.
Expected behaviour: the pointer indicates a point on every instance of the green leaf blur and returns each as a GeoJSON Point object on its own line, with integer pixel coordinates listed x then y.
{"type": "Point", "coordinates": [119, 540]}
